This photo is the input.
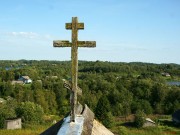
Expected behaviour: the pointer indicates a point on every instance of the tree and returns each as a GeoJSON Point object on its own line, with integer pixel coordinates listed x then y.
{"type": "Point", "coordinates": [7, 110]}
{"type": "Point", "coordinates": [8, 89]}
{"type": "Point", "coordinates": [39, 97]}
{"type": "Point", "coordinates": [9, 75]}
{"type": "Point", "coordinates": [109, 120]}
{"type": "Point", "coordinates": [103, 107]}
{"type": "Point", "coordinates": [62, 98]}
{"type": "Point", "coordinates": [28, 95]}
{"type": "Point", "coordinates": [159, 93]}
{"type": "Point", "coordinates": [36, 85]}
{"type": "Point", "coordinates": [126, 99]}
{"type": "Point", "coordinates": [172, 100]}
{"type": "Point", "coordinates": [30, 112]}
{"type": "Point", "coordinates": [19, 93]}
{"type": "Point", "coordinates": [50, 98]}
{"type": "Point", "coordinates": [142, 105]}
{"type": "Point", "coordinates": [103, 112]}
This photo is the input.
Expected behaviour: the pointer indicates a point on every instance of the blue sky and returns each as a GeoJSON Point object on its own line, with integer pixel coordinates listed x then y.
{"type": "Point", "coordinates": [124, 30]}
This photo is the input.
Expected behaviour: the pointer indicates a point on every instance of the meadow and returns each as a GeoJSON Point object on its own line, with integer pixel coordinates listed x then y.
{"type": "Point", "coordinates": [164, 127]}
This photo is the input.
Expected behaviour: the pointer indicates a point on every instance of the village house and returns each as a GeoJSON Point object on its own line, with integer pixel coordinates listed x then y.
{"type": "Point", "coordinates": [13, 123]}
{"type": "Point", "coordinates": [17, 82]}
{"type": "Point", "coordinates": [149, 123]}
{"type": "Point", "coordinates": [25, 79]}
{"type": "Point", "coordinates": [166, 74]}
{"type": "Point", "coordinates": [52, 77]}
{"type": "Point", "coordinates": [2, 100]}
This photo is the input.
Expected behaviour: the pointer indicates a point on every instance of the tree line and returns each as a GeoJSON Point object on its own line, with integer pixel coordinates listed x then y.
{"type": "Point", "coordinates": [109, 88]}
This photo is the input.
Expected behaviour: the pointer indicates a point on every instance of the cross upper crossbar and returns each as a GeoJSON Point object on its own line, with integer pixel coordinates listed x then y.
{"type": "Point", "coordinates": [74, 44]}
{"type": "Point", "coordinates": [79, 26]}
{"type": "Point", "coordinates": [66, 43]}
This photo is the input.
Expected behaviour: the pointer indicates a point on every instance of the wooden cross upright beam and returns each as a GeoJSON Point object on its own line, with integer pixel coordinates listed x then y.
{"type": "Point", "coordinates": [74, 44]}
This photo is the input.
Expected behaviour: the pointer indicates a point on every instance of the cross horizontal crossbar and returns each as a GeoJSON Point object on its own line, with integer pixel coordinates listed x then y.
{"type": "Point", "coordinates": [79, 26]}
{"type": "Point", "coordinates": [61, 43]}
{"type": "Point", "coordinates": [66, 43]}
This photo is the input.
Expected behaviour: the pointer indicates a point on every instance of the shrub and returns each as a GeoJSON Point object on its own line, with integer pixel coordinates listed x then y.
{"type": "Point", "coordinates": [108, 121]}
{"type": "Point", "coordinates": [122, 130]}
{"type": "Point", "coordinates": [139, 119]}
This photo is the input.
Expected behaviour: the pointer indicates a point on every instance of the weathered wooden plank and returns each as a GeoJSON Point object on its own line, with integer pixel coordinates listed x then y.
{"type": "Point", "coordinates": [80, 26]}
{"type": "Point", "coordinates": [68, 85]}
{"type": "Point", "coordinates": [68, 26]}
{"type": "Point", "coordinates": [74, 68]}
{"type": "Point", "coordinates": [86, 43]}
{"type": "Point", "coordinates": [61, 43]}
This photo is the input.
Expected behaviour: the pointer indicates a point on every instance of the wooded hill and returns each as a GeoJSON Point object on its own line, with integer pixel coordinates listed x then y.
{"type": "Point", "coordinates": [109, 88]}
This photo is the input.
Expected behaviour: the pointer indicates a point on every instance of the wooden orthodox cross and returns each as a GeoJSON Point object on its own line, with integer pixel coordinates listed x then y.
{"type": "Point", "coordinates": [74, 26]}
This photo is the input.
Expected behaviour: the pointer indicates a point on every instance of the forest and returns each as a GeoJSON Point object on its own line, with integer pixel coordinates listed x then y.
{"type": "Point", "coordinates": [110, 89]}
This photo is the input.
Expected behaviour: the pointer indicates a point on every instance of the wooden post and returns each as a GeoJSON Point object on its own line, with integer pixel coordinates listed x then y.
{"type": "Point", "coordinates": [74, 26]}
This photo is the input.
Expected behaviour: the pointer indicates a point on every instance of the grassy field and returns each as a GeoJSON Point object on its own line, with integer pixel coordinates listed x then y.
{"type": "Point", "coordinates": [28, 130]}
{"type": "Point", "coordinates": [119, 130]}
{"type": "Point", "coordinates": [159, 130]}
{"type": "Point", "coordinates": [20, 132]}
{"type": "Point", "coordinates": [32, 129]}
{"type": "Point", "coordinates": [164, 127]}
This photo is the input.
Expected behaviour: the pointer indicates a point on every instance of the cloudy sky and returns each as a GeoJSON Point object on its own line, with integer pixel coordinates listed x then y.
{"type": "Point", "coordinates": [124, 30]}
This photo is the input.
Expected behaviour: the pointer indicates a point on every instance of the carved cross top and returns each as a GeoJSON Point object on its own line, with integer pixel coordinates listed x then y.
{"type": "Point", "coordinates": [74, 44]}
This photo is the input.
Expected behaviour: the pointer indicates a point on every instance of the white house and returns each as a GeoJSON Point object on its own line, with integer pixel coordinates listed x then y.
{"type": "Point", "coordinates": [25, 79]}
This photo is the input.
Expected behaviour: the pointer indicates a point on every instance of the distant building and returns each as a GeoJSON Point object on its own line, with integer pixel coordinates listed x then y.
{"type": "Point", "coordinates": [176, 117]}
{"type": "Point", "coordinates": [17, 82]}
{"type": "Point", "coordinates": [25, 79]}
{"type": "Point", "coordinates": [2, 100]}
{"type": "Point", "coordinates": [13, 123]}
{"type": "Point", "coordinates": [166, 74]}
{"type": "Point", "coordinates": [149, 123]}
{"type": "Point", "coordinates": [52, 77]}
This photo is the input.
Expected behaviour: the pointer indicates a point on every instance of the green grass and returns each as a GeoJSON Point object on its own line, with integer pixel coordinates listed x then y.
{"type": "Point", "coordinates": [159, 130]}
{"type": "Point", "coordinates": [164, 127]}
{"type": "Point", "coordinates": [20, 132]}
{"type": "Point", "coordinates": [32, 129]}
{"type": "Point", "coordinates": [118, 130]}
{"type": "Point", "coordinates": [29, 130]}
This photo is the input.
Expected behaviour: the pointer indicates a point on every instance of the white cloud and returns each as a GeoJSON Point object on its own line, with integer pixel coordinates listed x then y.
{"type": "Point", "coordinates": [29, 35]}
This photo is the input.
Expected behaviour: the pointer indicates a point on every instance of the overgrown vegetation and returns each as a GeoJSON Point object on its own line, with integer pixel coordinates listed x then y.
{"type": "Point", "coordinates": [123, 88]}
{"type": "Point", "coordinates": [139, 119]}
